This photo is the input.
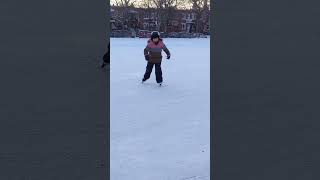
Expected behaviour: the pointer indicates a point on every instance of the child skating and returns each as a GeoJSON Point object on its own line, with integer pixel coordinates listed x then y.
{"type": "Point", "coordinates": [153, 55]}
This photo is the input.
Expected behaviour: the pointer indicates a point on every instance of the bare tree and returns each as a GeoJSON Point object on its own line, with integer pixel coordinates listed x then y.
{"type": "Point", "coordinates": [201, 10]}
{"type": "Point", "coordinates": [147, 4]}
{"type": "Point", "coordinates": [125, 3]}
{"type": "Point", "coordinates": [165, 10]}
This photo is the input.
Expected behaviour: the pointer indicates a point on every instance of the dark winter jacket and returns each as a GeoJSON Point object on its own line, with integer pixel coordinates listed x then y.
{"type": "Point", "coordinates": [154, 51]}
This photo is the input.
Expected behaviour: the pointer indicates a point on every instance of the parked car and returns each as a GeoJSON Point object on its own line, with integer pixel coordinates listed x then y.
{"type": "Point", "coordinates": [173, 35]}
{"type": "Point", "coordinates": [163, 35]}
{"type": "Point", "coordinates": [203, 36]}
{"type": "Point", "coordinates": [144, 33]}
{"type": "Point", "coordinates": [120, 33]}
{"type": "Point", "coordinates": [200, 35]}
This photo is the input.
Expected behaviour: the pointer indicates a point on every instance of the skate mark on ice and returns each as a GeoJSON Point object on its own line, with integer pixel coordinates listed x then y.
{"type": "Point", "coordinates": [154, 85]}
{"type": "Point", "coordinates": [196, 178]}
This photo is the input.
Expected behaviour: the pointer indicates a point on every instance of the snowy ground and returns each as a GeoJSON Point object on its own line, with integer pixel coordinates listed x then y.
{"type": "Point", "coordinates": [160, 133]}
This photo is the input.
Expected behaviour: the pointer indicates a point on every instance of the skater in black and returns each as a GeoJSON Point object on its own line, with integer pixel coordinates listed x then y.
{"type": "Point", "coordinates": [106, 57]}
{"type": "Point", "coordinates": [153, 55]}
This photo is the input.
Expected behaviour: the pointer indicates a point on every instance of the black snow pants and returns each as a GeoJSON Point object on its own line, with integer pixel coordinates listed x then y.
{"type": "Point", "coordinates": [158, 71]}
{"type": "Point", "coordinates": [106, 56]}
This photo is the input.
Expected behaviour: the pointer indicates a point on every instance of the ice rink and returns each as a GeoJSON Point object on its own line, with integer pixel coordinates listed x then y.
{"type": "Point", "coordinates": [160, 133]}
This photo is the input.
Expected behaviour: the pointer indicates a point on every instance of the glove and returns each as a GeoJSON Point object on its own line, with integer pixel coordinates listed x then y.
{"type": "Point", "coordinates": [168, 57]}
{"type": "Point", "coordinates": [146, 57]}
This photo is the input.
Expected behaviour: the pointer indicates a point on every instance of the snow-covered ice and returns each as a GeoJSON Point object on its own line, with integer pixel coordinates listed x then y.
{"type": "Point", "coordinates": [160, 133]}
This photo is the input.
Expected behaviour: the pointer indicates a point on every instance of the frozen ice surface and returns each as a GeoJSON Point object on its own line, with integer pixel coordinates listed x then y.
{"type": "Point", "coordinates": [160, 133]}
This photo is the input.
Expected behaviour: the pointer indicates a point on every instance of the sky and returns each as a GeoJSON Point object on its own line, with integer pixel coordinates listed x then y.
{"type": "Point", "coordinates": [114, 2]}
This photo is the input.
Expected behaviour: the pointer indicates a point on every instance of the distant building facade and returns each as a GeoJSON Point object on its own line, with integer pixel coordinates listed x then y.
{"type": "Point", "coordinates": [134, 19]}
